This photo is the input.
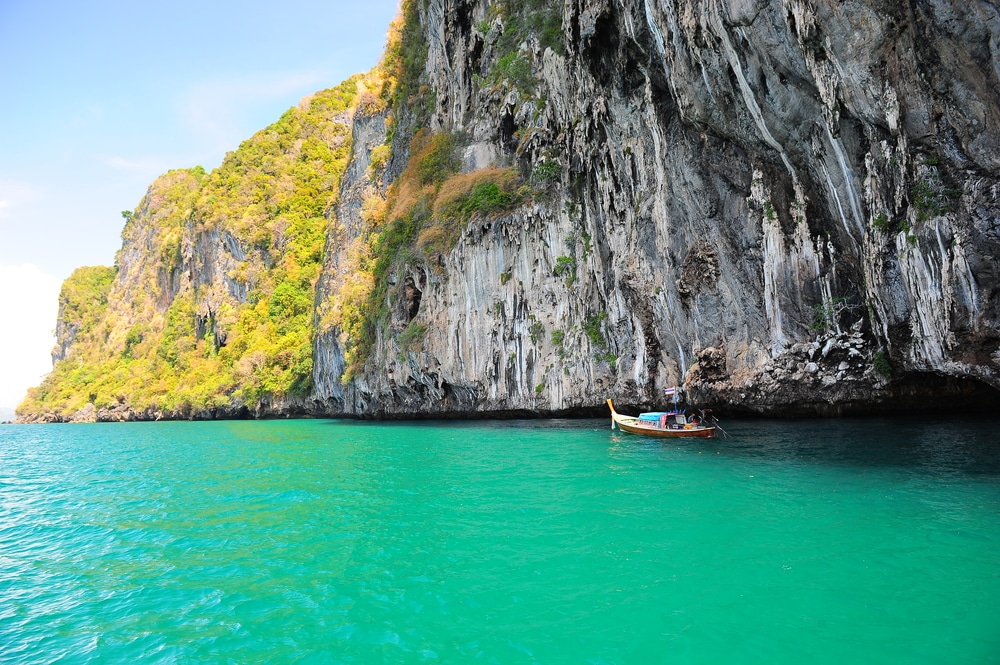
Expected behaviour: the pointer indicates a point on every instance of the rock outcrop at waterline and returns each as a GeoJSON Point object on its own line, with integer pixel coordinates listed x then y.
{"type": "Point", "coordinates": [791, 206]}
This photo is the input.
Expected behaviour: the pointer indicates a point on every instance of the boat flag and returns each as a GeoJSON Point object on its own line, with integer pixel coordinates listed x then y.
{"type": "Point", "coordinates": [670, 391]}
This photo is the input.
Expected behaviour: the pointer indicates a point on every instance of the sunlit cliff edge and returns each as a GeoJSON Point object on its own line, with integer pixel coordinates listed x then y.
{"type": "Point", "coordinates": [788, 206]}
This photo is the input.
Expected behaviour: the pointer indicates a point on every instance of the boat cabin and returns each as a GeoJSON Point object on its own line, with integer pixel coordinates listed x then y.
{"type": "Point", "coordinates": [669, 419]}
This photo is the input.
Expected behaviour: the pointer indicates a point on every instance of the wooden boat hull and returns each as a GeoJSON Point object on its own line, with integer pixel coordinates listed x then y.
{"type": "Point", "coordinates": [633, 425]}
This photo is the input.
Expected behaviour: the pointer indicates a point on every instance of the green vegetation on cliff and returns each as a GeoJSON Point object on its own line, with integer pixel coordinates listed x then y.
{"type": "Point", "coordinates": [423, 216]}
{"type": "Point", "coordinates": [212, 305]}
{"type": "Point", "coordinates": [430, 203]}
{"type": "Point", "coordinates": [83, 302]}
{"type": "Point", "coordinates": [83, 299]}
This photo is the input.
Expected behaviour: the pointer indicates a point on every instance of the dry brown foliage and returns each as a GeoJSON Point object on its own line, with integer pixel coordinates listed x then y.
{"type": "Point", "coordinates": [459, 186]}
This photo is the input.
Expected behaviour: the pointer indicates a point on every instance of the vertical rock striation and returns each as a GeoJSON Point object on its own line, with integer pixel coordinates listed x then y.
{"type": "Point", "coordinates": [789, 205]}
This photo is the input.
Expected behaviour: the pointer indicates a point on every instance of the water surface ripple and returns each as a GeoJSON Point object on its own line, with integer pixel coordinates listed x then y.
{"type": "Point", "coordinates": [501, 542]}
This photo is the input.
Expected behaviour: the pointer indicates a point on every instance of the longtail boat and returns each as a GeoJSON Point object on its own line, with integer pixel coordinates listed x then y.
{"type": "Point", "coordinates": [664, 424]}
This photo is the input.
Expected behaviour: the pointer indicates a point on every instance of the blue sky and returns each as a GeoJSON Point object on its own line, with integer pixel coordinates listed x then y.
{"type": "Point", "coordinates": [101, 97]}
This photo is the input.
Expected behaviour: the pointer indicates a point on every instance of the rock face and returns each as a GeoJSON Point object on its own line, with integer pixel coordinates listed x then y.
{"type": "Point", "coordinates": [209, 310]}
{"type": "Point", "coordinates": [788, 206]}
{"type": "Point", "coordinates": [791, 205]}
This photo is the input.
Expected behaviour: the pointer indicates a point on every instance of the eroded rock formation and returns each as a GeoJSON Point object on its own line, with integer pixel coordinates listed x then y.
{"type": "Point", "coordinates": [792, 205]}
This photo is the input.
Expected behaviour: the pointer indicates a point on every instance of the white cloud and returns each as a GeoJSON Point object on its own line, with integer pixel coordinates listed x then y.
{"type": "Point", "coordinates": [29, 302]}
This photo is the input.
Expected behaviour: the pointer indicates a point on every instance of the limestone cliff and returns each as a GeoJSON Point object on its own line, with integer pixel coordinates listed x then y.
{"type": "Point", "coordinates": [787, 206]}
{"type": "Point", "coordinates": [208, 312]}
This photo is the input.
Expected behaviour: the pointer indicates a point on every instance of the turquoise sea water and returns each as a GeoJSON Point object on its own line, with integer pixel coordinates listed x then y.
{"type": "Point", "coordinates": [859, 541]}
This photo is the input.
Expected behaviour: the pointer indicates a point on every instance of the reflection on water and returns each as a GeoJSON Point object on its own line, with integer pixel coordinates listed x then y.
{"type": "Point", "coordinates": [958, 445]}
